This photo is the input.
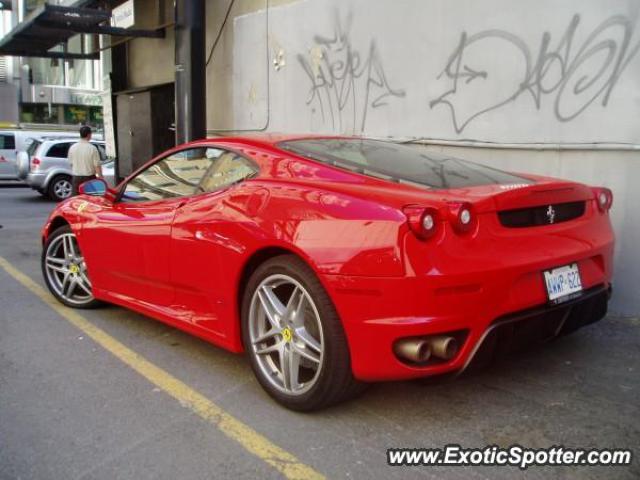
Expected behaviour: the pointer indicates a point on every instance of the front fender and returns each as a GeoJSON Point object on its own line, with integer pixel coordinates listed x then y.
{"type": "Point", "coordinates": [65, 212]}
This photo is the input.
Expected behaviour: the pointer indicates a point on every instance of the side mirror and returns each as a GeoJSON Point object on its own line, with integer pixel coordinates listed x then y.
{"type": "Point", "coordinates": [96, 187]}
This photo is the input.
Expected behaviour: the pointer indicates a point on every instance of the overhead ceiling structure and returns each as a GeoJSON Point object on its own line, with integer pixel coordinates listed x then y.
{"type": "Point", "coordinates": [51, 26]}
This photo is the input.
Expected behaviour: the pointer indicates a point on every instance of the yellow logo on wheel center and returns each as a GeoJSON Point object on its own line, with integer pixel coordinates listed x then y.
{"type": "Point", "coordinates": [286, 334]}
{"type": "Point", "coordinates": [74, 268]}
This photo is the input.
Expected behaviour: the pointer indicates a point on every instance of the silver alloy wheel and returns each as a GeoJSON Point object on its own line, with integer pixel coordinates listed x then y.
{"type": "Point", "coordinates": [62, 189]}
{"type": "Point", "coordinates": [286, 334]}
{"type": "Point", "coordinates": [67, 271]}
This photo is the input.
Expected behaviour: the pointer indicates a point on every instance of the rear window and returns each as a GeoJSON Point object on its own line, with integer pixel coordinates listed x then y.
{"type": "Point", "coordinates": [59, 150]}
{"type": "Point", "coordinates": [33, 146]}
{"type": "Point", "coordinates": [7, 141]}
{"type": "Point", "coordinates": [400, 163]}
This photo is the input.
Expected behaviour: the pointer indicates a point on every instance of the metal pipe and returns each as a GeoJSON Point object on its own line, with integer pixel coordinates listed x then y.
{"type": "Point", "coordinates": [191, 121]}
{"type": "Point", "coordinates": [443, 347]}
{"type": "Point", "coordinates": [415, 350]}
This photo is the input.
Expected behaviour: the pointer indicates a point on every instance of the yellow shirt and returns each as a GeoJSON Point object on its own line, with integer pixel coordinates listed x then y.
{"type": "Point", "coordinates": [84, 158]}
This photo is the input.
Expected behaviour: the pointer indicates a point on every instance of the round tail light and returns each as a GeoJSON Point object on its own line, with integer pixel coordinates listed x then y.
{"type": "Point", "coordinates": [463, 218]}
{"type": "Point", "coordinates": [422, 221]}
{"type": "Point", "coordinates": [428, 222]}
{"type": "Point", "coordinates": [604, 199]}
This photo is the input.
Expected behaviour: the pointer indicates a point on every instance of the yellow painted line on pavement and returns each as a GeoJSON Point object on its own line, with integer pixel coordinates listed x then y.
{"type": "Point", "coordinates": [247, 437]}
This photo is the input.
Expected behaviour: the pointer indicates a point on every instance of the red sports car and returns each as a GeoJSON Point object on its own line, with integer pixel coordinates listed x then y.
{"type": "Point", "coordinates": [337, 261]}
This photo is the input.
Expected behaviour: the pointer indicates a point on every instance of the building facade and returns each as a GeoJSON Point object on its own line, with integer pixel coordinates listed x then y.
{"type": "Point", "coordinates": [43, 91]}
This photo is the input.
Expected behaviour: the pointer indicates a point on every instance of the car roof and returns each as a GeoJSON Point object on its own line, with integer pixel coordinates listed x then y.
{"type": "Point", "coordinates": [68, 139]}
{"type": "Point", "coordinates": [38, 133]}
{"type": "Point", "coordinates": [274, 138]}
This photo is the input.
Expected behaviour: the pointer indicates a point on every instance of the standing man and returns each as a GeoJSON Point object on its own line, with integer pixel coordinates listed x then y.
{"type": "Point", "coordinates": [84, 159]}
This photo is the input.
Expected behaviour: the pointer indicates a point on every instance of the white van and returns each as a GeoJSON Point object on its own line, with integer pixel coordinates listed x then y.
{"type": "Point", "coordinates": [14, 141]}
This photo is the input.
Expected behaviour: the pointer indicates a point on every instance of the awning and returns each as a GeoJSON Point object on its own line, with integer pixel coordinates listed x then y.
{"type": "Point", "coordinates": [52, 25]}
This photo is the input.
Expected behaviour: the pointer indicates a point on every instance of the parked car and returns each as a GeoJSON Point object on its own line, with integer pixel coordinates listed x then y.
{"type": "Point", "coordinates": [12, 142]}
{"type": "Point", "coordinates": [337, 261]}
{"type": "Point", "coordinates": [45, 168]}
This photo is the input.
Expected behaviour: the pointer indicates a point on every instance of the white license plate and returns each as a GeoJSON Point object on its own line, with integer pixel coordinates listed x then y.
{"type": "Point", "coordinates": [563, 282]}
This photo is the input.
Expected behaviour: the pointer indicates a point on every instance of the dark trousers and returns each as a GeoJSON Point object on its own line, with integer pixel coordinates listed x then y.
{"type": "Point", "coordinates": [78, 180]}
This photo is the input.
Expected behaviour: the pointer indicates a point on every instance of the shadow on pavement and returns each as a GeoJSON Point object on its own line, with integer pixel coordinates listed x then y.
{"type": "Point", "coordinates": [10, 184]}
{"type": "Point", "coordinates": [36, 198]}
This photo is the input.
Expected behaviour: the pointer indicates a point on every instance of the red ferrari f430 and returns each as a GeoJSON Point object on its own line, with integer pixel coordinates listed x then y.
{"type": "Point", "coordinates": [334, 262]}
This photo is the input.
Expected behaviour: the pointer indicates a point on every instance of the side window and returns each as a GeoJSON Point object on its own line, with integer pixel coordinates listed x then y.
{"type": "Point", "coordinates": [7, 141]}
{"type": "Point", "coordinates": [59, 150]}
{"type": "Point", "coordinates": [177, 175]}
{"type": "Point", "coordinates": [228, 168]}
{"type": "Point", "coordinates": [33, 146]}
{"type": "Point", "coordinates": [101, 151]}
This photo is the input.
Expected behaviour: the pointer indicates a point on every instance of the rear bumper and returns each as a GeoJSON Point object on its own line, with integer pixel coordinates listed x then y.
{"type": "Point", "coordinates": [519, 330]}
{"type": "Point", "coordinates": [376, 312]}
{"type": "Point", "coordinates": [36, 180]}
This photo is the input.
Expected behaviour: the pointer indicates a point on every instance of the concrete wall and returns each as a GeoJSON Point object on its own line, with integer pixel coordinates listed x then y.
{"type": "Point", "coordinates": [151, 60]}
{"type": "Point", "coordinates": [546, 71]}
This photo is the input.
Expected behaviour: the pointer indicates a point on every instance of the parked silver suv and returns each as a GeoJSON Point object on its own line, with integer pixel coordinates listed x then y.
{"type": "Point", "coordinates": [46, 169]}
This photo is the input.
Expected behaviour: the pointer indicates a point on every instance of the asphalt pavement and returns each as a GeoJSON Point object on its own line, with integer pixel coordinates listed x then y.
{"type": "Point", "coordinates": [141, 400]}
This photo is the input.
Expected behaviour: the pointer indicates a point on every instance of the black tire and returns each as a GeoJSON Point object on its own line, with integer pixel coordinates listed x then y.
{"type": "Point", "coordinates": [65, 229]}
{"type": "Point", "coordinates": [56, 186]}
{"type": "Point", "coordinates": [335, 382]}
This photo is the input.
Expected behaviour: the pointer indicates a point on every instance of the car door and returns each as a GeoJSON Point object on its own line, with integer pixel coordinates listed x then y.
{"type": "Point", "coordinates": [200, 241]}
{"type": "Point", "coordinates": [8, 155]}
{"type": "Point", "coordinates": [128, 242]}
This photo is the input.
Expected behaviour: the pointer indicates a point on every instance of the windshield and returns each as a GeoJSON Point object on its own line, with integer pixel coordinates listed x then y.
{"type": "Point", "coordinates": [400, 162]}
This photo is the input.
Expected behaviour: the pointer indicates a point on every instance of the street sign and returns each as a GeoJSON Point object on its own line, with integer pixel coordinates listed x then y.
{"type": "Point", "coordinates": [123, 16]}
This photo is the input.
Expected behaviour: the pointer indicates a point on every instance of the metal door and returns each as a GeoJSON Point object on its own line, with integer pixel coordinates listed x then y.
{"type": "Point", "coordinates": [135, 146]}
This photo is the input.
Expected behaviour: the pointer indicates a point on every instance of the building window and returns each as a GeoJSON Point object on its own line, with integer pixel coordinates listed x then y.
{"type": "Point", "coordinates": [39, 113]}
{"type": "Point", "coordinates": [76, 114]}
